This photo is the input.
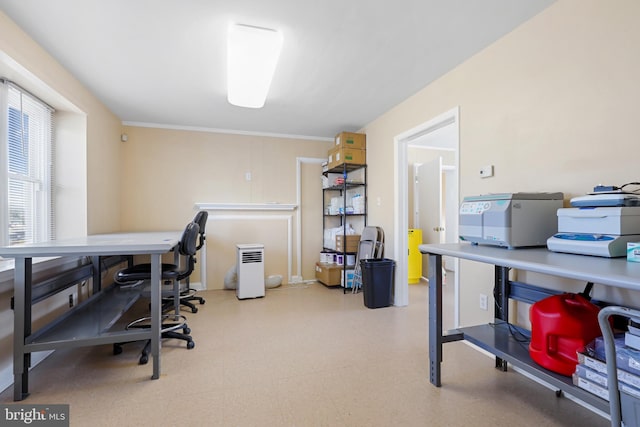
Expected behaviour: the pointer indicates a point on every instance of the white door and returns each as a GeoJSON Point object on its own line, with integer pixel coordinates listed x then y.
{"type": "Point", "coordinates": [435, 208]}
{"type": "Point", "coordinates": [428, 203]}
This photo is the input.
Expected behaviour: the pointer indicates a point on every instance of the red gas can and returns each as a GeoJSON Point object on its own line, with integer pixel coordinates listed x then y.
{"type": "Point", "coordinates": [561, 325]}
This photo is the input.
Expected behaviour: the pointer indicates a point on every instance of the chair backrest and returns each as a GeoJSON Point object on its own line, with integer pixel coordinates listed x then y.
{"type": "Point", "coordinates": [187, 248]}
{"type": "Point", "coordinates": [201, 219]}
{"type": "Point", "coordinates": [369, 233]}
{"type": "Point", "coordinates": [188, 241]}
{"type": "Point", "coordinates": [372, 242]}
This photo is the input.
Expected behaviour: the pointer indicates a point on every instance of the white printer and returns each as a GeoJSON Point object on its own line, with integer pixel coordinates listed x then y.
{"type": "Point", "coordinates": [510, 219]}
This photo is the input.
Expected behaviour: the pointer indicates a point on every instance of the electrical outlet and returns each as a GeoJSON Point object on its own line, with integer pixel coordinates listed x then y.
{"type": "Point", "coordinates": [484, 302]}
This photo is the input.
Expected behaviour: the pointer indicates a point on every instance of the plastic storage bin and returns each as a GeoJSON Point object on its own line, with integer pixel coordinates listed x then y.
{"type": "Point", "coordinates": [377, 281]}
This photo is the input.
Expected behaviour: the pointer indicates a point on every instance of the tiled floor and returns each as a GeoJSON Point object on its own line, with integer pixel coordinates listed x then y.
{"type": "Point", "coordinates": [302, 356]}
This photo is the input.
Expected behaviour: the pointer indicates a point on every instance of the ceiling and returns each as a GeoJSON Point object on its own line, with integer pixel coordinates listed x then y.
{"type": "Point", "coordinates": [343, 62]}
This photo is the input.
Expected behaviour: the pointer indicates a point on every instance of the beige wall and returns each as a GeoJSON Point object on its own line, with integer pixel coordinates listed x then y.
{"type": "Point", "coordinates": [166, 172]}
{"type": "Point", "coordinates": [553, 105]}
{"type": "Point", "coordinates": [25, 62]}
{"type": "Point", "coordinates": [88, 181]}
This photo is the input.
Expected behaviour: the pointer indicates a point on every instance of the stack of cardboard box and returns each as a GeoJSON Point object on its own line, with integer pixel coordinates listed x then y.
{"type": "Point", "coordinates": [348, 243]}
{"type": "Point", "coordinates": [348, 148]}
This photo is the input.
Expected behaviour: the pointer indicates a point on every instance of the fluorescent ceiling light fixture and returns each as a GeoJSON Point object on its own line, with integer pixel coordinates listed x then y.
{"type": "Point", "coordinates": [252, 55]}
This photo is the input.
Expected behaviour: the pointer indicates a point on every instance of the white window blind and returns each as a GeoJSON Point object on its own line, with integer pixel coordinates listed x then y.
{"type": "Point", "coordinates": [27, 129]}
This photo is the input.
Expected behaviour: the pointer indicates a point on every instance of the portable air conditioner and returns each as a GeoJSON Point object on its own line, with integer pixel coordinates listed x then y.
{"type": "Point", "coordinates": [250, 262]}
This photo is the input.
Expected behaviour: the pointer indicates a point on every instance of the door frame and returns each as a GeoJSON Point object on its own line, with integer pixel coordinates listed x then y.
{"type": "Point", "coordinates": [299, 277]}
{"type": "Point", "coordinates": [401, 197]}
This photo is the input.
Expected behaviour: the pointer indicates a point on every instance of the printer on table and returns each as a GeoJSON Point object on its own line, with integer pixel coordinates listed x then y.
{"type": "Point", "coordinates": [509, 219]}
{"type": "Point", "coordinates": [600, 224]}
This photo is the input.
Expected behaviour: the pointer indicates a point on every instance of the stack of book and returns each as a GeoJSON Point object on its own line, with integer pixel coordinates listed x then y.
{"type": "Point", "coordinates": [632, 336]}
{"type": "Point", "coordinates": [591, 371]}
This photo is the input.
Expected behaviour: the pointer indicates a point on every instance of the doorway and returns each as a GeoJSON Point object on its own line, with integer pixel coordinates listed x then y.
{"type": "Point", "coordinates": [439, 133]}
{"type": "Point", "coordinates": [433, 209]}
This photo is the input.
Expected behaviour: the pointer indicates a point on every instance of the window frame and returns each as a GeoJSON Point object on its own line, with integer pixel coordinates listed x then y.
{"type": "Point", "coordinates": [37, 172]}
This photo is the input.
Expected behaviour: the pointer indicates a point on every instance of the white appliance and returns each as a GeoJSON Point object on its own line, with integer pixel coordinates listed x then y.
{"type": "Point", "coordinates": [599, 220]}
{"type": "Point", "coordinates": [604, 245]}
{"type": "Point", "coordinates": [250, 264]}
{"type": "Point", "coordinates": [600, 231]}
{"type": "Point", "coordinates": [510, 219]}
{"type": "Point", "coordinates": [606, 199]}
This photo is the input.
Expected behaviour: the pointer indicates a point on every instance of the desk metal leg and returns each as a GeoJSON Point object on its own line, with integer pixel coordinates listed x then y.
{"type": "Point", "coordinates": [176, 285]}
{"type": "Point", "coordinates": [501, 311]}
{"type": "Point", "coordinates": [97, 274]}
{"type": "Point", "coordinates": [22, 327]}
{"type": "Point", "coordinates": [156, 313]}
{"type": "Point", "coordinates": [435, 318]}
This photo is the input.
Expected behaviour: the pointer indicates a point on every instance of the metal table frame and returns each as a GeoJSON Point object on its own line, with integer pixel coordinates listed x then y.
{"type": "Point", "coordinates": [26, 341]}
{"type": "Point", "coordinates": [615, 272]}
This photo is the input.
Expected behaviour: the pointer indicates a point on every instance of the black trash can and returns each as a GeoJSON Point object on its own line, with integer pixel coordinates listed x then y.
{"type": "Point", "coordinates": [377, 281]}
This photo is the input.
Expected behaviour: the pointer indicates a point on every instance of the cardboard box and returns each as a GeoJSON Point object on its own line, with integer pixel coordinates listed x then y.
{"type": "Point", "coordinates": [352, 242]}
{"type": "Point", "coordinates": [600, 366]}
{"type": "Point", "coordinates": [591, 387]}
{"type": "Point", "coordinates": [596, 384]}
{"type": "Point", "coordinates": [328, 274]}
{"type": "Point", "coordinates": [633, 252]}
{"type": "Point", "coordinates": [340, 155]}
{"type": "Point", "coordinates": [351, 140]}
{"type": "Point", "coordinates": [347, 278]}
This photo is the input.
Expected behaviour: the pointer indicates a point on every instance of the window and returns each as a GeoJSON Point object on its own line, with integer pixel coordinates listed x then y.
{"type": "Point", "coordinates": [26, 138]}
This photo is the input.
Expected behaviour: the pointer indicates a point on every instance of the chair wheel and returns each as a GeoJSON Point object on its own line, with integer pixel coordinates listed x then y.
{"type": "Point", "coordinates": [190, 344]}
{"type": "Point", "coordinates": [186, 331]}
{"type": "Point", "coordinates": [117, 349]}
{"type": "Point", "coordinates": [194, 310]}
{"type": "Point", "coordinates": [143, 359]}
{"type": "Point", "coordinates": [202, 301]}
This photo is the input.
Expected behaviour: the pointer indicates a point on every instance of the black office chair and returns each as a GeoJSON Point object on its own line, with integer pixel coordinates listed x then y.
{"type": "Point", "coordinates": [189, 294]}
{"type": "Point", "coordinates": [171, 323]}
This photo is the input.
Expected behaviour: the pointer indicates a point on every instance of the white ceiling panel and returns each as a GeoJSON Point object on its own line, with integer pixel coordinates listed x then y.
{"type": "Point", "coordinates": [343, 62]}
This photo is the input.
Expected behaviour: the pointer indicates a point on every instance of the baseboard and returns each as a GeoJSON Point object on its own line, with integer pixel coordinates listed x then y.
{"type": "Point", "coordinates": [197, 286]}
{"type": "Point", "coordinates": [6, 374]}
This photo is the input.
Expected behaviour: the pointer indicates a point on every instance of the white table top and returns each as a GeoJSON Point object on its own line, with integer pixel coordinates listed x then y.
{"type": "Point", "coordinates": [98, 244]}
{"type": "Point", "coordinates": [616, 272]}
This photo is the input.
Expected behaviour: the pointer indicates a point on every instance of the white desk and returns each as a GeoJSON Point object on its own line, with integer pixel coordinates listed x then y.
{"type": "Point", "coordinates": [86, 324]}
{"type": "Point", "coordinates": [497, 339]}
